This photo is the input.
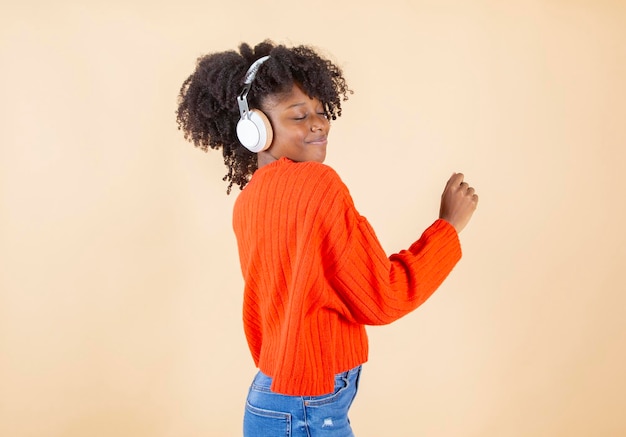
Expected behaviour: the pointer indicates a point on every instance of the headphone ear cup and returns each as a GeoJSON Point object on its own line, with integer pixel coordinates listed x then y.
{"type": "Point", "coordinates": [255, 131]}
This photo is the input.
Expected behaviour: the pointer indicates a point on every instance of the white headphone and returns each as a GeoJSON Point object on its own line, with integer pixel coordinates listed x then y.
{"type": "Point", "coordinates": [253, 128]}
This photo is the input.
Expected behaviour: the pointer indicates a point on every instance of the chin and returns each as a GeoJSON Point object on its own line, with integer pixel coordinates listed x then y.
{"type": "Point", "coordinates": [320, 159]}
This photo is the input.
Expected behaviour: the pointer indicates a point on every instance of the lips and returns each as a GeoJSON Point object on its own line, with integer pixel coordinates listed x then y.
{"type": "Point", "coordinates": [319, 140]}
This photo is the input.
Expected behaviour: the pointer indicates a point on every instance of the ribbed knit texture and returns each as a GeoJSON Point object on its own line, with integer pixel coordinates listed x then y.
{"type": "Point", "coordinates": [315, 274]}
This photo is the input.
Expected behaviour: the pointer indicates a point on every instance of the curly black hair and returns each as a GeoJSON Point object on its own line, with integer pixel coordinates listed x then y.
{"type": "Point", "coordinates": [207, 103]}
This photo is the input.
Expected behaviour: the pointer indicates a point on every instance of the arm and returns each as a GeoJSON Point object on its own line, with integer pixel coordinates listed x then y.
{"type": "Point", "coordinates": [378, 290]}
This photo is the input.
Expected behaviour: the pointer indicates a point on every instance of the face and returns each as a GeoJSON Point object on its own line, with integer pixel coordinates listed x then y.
{"type": "Point", "coordinates": [300, 127]}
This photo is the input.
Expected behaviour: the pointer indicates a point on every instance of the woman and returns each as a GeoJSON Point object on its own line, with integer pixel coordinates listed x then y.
{"type": "Point", "coordinates": [315, 273]}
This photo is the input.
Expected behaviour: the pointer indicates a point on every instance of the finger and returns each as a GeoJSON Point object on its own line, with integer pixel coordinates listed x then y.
{"type": "Point", "coordinates": [471, 191]}
{"type": "Point", "coordinates": [450, 179]}
{"type": "Point", "coordinates": [455, 180]}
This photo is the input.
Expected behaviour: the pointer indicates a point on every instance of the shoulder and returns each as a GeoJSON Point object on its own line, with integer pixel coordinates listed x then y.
{"type": "Point", "coordinates": [286, 175]}
{"type": "Point", "coordinates": [319, 170]}
{"type": "Point", "coordinates": [309, 185]}
{"type": "Point", "coordinates": [322, 181]}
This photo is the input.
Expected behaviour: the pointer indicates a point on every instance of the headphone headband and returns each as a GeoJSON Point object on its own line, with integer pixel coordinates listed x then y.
{"type": "Point", "coordinates": [254, 130]}
{"type": "Point", "coordinates": [251, 74]}
{"type": "Point", "coordinates": [242, 99]}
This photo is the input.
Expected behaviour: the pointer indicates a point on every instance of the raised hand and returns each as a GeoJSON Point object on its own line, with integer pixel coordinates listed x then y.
{"type": "Point", "coordinates": [458, 202]}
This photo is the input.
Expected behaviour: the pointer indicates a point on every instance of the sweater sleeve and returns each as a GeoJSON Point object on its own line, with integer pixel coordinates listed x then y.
{"type": "Point", "coordinates": [375, 289]}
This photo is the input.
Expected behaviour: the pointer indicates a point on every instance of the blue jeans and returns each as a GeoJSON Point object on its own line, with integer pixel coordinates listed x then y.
{"type": "Point", "coordinates": [271, 414]}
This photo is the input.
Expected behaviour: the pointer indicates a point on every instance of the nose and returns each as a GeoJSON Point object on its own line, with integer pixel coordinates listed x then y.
{"type": "Point", "coordinates": [319, 122]}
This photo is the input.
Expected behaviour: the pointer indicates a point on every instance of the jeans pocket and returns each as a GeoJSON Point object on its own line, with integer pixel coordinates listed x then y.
{"type": "Point", "coordinates": [259, 422]}
{"type": "Point", "coordinates": [344, 393]}
{"type": "Point", "coordinates": [341, 391]}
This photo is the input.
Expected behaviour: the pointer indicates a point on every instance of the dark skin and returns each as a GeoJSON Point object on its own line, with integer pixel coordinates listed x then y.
{"type": "Point", "coordinates": [300, 134]}
{"type": "Point", "coordinates": [458, 202]}
{"type": "Point", "coordinates": [300, 127]}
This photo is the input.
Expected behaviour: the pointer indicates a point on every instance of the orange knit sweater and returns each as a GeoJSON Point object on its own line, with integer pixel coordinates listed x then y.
{"type": "Point", "coordinates": [315, 274]}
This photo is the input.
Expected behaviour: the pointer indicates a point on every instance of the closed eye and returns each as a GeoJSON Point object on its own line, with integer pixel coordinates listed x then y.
{"type": "Point", "coordinates": [302, 117]}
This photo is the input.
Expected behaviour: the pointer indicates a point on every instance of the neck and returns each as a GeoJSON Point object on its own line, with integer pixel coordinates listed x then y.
{"type": "Point", "coordinates": [264, 158]}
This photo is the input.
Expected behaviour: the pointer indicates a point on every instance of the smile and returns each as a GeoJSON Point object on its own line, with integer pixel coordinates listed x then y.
{"type": "Point", "coordinates": [321, 141]}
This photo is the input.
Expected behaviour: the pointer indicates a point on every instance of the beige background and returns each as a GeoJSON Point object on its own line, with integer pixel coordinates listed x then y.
{"type": "Point", "coordinates": [120, 289]}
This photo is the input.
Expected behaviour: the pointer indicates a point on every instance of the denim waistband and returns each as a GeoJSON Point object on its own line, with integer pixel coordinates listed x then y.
{"type": "Point", "coordinates": [262, 380]}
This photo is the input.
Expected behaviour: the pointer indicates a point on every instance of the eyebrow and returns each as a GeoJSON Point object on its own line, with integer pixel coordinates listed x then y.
{"type": "Point", "coordinates": [295, 104]}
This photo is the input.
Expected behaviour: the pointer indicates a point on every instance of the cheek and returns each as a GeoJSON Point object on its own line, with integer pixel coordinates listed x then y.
{"type": "Point", "coordinates": [292, 134]}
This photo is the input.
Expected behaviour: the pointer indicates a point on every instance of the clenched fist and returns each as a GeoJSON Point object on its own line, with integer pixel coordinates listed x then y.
{"type": "Point", "coordinates": [458, 202]}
